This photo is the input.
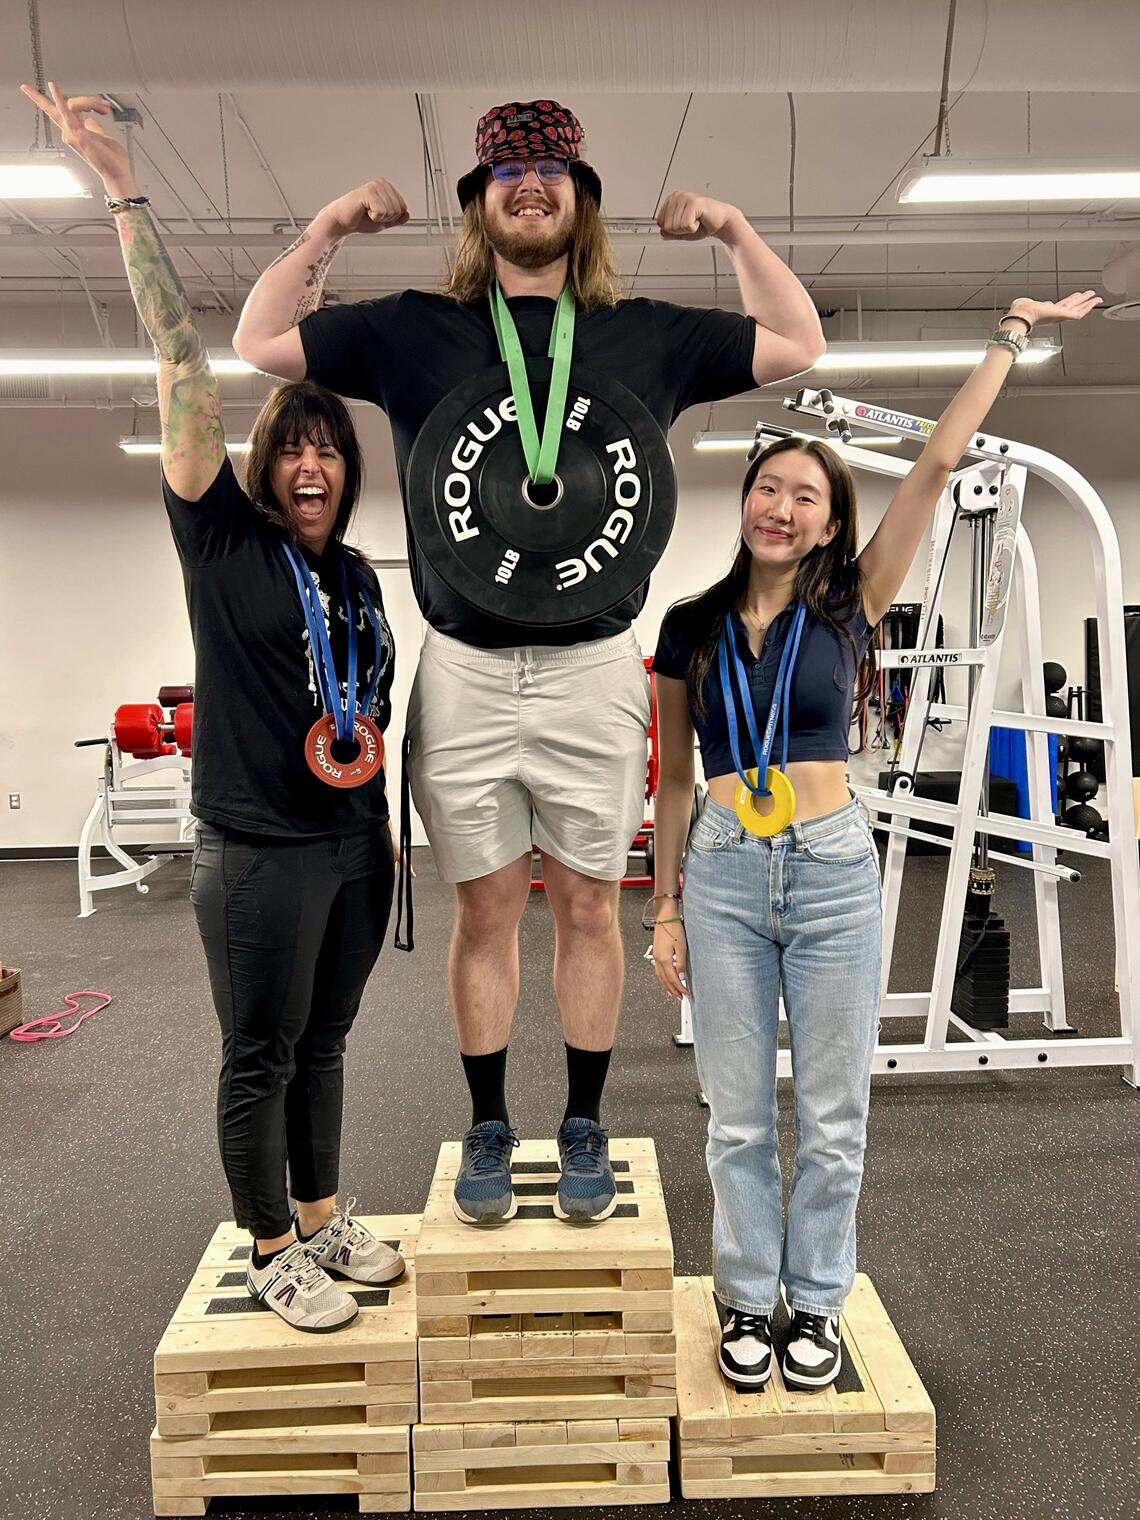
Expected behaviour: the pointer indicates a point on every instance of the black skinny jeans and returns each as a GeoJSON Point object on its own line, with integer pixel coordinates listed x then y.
{"type": "Point", "coordinates": [291, 930]}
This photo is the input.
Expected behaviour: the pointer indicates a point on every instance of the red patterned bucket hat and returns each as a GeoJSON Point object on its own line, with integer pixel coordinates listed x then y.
{"type": "Point", "coordinates": [528, 129]}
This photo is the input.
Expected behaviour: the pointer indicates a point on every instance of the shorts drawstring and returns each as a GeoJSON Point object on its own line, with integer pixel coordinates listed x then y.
{"type": "Point", "coordinates": [522, 671]}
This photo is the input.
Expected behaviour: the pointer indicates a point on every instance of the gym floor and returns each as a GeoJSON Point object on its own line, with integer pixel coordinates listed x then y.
{"type": "Point", "coordinates": [997, 1221]}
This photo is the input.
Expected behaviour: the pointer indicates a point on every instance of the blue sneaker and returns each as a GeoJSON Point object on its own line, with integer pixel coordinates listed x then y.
{"type": "Point", "coordinates": [586, 1188]}
{"type": "Point", "coordinates": [482, 1193]}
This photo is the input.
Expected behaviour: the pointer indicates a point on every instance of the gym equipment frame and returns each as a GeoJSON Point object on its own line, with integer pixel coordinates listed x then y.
{"type": "Point", "coordinates": [119, 801]}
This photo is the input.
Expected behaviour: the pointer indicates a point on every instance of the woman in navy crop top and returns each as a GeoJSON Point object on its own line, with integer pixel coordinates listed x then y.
{"type": "Point", "coordinates": [795, 913]}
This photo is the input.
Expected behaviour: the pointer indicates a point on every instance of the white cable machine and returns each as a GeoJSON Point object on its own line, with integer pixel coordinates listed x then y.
{"type": "Point", "coordinates": [993, 486]}
{"type": "Point", "coordinates": [119, 801]}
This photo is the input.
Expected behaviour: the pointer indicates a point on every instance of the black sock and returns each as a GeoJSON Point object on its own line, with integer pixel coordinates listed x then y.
{"type": "Point", "coordinates": [487, 1081]}
{"type": "Point", "coordinates": [585, 1077]}
{"type": "Point", "coordinates": [300, 1234]}
{"type": "Point", "coordinates": [260, 1261]}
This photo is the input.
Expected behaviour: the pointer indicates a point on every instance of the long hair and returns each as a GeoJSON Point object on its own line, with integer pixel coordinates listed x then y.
{"type": "Point", "coordinates": [827, 579]}
{"type": "Point", "coordinates": [297, 410]}
{"type": "Point", "coordinates": [592, 272]}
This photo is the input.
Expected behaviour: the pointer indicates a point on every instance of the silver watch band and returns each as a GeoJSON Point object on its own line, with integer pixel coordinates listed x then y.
{"type": "Point", "coordinates": [1006, 337]}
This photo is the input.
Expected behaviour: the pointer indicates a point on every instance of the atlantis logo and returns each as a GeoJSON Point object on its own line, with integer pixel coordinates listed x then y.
{"type": "Point", "coordinates": [895, 419]}
{"type": "Point", "coordinates": [931, 657]}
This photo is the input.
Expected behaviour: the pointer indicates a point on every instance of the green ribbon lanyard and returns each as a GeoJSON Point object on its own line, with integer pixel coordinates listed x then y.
{"type": "Point", "coordinates": [541, 457]}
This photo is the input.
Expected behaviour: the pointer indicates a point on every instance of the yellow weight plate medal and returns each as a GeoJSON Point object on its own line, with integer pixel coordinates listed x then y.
{"type": "Point", "coordinates": [763, 810]}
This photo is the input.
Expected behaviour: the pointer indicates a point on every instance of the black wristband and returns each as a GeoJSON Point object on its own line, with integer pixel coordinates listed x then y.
{"type": "Point", "coordinates": [1016, 317]}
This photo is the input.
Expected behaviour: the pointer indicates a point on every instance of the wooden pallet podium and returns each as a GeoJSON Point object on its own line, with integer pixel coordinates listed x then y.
{"type": "Point", "coordinates": [547, 1350]}
{"type": "Point", "coordinates": [246, 1405]}
{"type": "Point", "coordinates": [873, 1433]}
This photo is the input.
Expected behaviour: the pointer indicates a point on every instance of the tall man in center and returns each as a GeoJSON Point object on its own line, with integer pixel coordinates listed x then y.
{"type": "Point", "coordinates": [528, 737]}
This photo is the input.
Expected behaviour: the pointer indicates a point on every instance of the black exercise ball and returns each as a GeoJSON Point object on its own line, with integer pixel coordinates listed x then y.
{"type": "Point", "coordinates": [1055, 676]}
{"type": "Point", "coordinates": [1081, 748]}
{"type": "Point", "coordinates": [1080, 786]}
{"type": "Point", "coordinates": [1083, 818]}
{"type": "Point", "coordinates": [1056, 707]}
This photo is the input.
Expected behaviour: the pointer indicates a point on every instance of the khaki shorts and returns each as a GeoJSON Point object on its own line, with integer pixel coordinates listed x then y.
{"type": "Point", "coordinates": [539, 747]}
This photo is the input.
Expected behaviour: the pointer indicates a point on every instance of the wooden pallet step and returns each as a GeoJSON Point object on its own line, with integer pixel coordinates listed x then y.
{"type": "Point", "coordinates": [257, 1455]}
{"type": "Point", "coordinates": [771, 1478]}
{"type": "Point", "coordinates": [541, 1269]}
{"type": "Point", "coordinates": [222, 1351]}
{"type": "Point", "coordinates": [541, 1464]}
{"type": "Point", "coordinates": [873, 1432]}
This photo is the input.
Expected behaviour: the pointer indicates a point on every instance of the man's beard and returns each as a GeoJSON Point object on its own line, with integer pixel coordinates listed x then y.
{"type": "Point", "coordinates": [525, 251]}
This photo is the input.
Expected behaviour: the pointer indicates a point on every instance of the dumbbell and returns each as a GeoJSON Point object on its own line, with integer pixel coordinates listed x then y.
{"type": "Point", "coordinates": [141, 729]}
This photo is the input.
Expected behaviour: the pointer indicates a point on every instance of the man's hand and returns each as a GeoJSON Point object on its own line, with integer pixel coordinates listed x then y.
{"type": "Point", "coordinates": [370, 208]}
{"type": "Point", "coordinates": [686, 217]}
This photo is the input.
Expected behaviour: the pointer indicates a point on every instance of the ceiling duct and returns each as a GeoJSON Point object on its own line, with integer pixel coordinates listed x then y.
{"type": "Point", "coordinates": [595, 46]}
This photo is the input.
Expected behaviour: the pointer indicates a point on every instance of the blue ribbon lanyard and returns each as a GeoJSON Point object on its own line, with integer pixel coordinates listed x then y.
{"type": "Point", "coordinates": [779, 705]}
{"type": "Point", "coordinates": [343, 712]}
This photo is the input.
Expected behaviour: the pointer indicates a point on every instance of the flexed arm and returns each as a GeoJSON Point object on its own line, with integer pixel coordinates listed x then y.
{"type": "Point", "coordinates": [789, 337]}
{"type": "Point", "coordinates": [193, 438]}
{"type": "Point", "coordinates": [291, 287]}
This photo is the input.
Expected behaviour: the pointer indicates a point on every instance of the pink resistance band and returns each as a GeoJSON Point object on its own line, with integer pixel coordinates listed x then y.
{"type": "Point", "coordinates": [52, 1027]}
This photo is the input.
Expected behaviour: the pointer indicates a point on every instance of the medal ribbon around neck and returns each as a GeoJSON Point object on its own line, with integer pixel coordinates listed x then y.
{"type": "Point", "coordinates": [776, 784]}
{"type": "Point", "coordinates": [541, 456]}
{"type": "Point", "coordinates": [345, 719]}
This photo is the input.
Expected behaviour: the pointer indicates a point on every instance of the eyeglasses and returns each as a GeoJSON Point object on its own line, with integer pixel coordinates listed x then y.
{"type": "Point", "coordinates": [512, 171]}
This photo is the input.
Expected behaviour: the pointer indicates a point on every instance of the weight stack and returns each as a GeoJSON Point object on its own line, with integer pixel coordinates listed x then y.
{"type": "Point", "coordinates": [981, 987]}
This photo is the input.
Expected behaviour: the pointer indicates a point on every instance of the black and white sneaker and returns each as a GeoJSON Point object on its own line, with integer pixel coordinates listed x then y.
{"type": "Point", "coordinates": [746, 1349]}
{"type": "Point", "coordinates": [813, 1357]}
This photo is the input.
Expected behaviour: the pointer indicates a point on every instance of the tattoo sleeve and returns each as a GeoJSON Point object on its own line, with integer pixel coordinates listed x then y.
{"type": "Point", "coordinates": [157, 290]}
{"type": "Point", "coordinates": [192, 432]}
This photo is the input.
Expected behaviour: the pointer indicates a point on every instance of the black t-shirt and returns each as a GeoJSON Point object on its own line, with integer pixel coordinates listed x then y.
{"type": "Point", "coordinates": [255, 688]}
{"type": "Point", "coordinates": [407, 351]}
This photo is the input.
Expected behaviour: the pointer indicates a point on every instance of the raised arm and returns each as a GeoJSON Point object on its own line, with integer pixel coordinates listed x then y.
{"type": "Point", "coordinates": [193, 439]}
{"type": "Point", "coordinates": [291, 288]}
{"type": "Point", "coordinates": [789, 338]}
{"type": "Point", "coordinates": [885, 561]}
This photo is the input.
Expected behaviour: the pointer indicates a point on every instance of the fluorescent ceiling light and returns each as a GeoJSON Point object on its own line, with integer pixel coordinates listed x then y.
{"type": "Point", "coordinates": [888, 355]}
{"type": "Point", "coordinates": [101, 361]}
{"type": "Point", "coordinates": [154, 445]}
{"type": "Point", "coordinates": [939, 180]}
{"type": "Point", "coordinates": [739, 443]}
{"type": "Point", "coordinates": [38, 176]}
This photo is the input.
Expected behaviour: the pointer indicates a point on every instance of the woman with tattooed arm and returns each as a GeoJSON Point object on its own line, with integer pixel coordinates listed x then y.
{"type": "Point", "coordinates": [292, 872]}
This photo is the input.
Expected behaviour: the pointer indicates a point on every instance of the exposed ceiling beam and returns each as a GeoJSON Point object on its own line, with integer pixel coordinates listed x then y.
{"type": "Point", "coordinates": [630, 235]}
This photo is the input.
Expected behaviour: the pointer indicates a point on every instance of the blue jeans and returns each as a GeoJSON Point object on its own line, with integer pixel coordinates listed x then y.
{"type": "Point", "coordinates": [801, 914]}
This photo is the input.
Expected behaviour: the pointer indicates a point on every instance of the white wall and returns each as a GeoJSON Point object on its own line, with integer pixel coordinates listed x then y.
{"type": "Point", "coordinates": [92, 611]}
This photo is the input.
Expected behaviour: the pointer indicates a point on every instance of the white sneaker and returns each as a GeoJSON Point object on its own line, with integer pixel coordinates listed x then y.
{"type": "Point", "coordinates": [814, 1354]}
{"type": "Point", "coordinates": [346, 1246]}
{"type": "Point", "coordinates": [298, 1289]}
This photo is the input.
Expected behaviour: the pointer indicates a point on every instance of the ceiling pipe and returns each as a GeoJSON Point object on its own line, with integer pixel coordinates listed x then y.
{"type": "Point", "coordinates": [420, 234]}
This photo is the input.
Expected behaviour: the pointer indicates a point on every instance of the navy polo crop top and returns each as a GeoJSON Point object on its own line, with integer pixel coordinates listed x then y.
{"type": "Point", "coordinates": [819, 702]}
